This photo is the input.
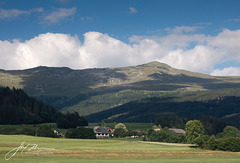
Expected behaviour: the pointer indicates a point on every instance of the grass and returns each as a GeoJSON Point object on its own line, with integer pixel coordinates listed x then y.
{"type": "Point", "coordinates": [9, 80]}
{"type": "Point", "coordinates": [107, 150]}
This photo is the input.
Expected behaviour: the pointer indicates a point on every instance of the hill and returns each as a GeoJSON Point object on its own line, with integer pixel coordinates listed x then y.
{"type": "Point", "coordinates": [147, 110]}
{"type": "Point", "coordinates": [17, 107]}
{"type": "Point", "coordinates": [91, 91]}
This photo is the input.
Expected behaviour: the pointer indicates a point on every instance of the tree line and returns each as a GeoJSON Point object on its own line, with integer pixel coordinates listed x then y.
{"type": "Point", "coordinates": [212, 125]}
{"type": "Point", "coordinates": [147, 110]}
{"type": "Point", "coordinates": [227, 140]}
{"type": "Point", "coordinates": [16, 107]}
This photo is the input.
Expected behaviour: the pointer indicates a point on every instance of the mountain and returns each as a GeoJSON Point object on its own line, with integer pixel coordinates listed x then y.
{"type": "Point", "coordinates": [91, 91]}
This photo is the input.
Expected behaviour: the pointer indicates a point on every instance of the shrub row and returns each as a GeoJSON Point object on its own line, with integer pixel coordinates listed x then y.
{"type": "Point", "coordinates": [224, 144]}
{"type": "Point", "coordinates": [165, 136]}
{"type": "Point", "coordinates": [14, 131]}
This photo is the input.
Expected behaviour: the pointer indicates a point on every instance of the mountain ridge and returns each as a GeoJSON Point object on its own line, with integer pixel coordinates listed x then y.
{"type": "Point", "coordinates": [94, 90]}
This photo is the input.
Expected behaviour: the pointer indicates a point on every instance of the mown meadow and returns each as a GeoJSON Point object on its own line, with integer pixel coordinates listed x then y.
{"type": "Point", "coordinates": [104, 150]}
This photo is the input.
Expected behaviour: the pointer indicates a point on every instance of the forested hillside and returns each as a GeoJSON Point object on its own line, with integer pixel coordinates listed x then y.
{"type": "Point", "coordinates": [16, 107]}
{"type": "Point", "coordinates": [225, 108]}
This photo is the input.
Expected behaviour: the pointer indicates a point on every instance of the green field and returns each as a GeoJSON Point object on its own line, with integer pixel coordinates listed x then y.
{"type": "Point", "coordinates": [105, 150]}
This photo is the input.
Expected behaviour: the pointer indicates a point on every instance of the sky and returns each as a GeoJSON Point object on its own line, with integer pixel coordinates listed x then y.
{"type": "Point", "coordinates": [196, 35]}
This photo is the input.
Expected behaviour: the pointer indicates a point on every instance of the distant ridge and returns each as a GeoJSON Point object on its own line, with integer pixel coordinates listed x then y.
{"type": "Point", "coordinates": [94, 90]}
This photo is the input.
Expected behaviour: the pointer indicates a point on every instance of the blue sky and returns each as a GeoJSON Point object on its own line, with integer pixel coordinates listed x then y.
{"type": "Point", "coordinates": [196, 35]}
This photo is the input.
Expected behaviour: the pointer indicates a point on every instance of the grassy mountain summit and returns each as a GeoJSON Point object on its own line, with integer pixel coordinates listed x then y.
{"type": "Point", "coordinates": [90, 91]}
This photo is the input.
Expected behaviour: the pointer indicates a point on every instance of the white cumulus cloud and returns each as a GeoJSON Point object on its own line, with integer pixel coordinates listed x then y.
{"type": "Point", "coordinates": [46, 49]}
{"type": "Point", "coordinates": [228, 71]}
{"type": "Point", "coordinates": [227, 43]}
{"type": "Point", "coordinates": [193, 52]}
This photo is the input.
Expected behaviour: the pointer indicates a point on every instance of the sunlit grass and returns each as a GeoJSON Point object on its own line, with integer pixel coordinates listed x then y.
{"type": "Point", "coordinates": [107, 150]}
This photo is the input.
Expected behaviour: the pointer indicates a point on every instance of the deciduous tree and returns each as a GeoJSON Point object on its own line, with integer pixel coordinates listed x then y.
{"type": "Point", "coordinates": [194, 132]}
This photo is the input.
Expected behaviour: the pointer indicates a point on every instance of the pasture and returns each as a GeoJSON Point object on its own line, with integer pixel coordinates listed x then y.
{"type": "Point", "coordinates": [103, 150]}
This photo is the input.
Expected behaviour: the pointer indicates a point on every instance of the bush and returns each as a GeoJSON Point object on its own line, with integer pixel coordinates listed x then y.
{"type": "Point", "coordinates": [149, 132]}
{"type": "Point", "coordinates": [28, 131]}
{"type": "Point", "coordinates": [229, 144]}
{"type": "Point", "coordinates": [46, 131]}
{"type": "Point", "coordinates": [166, 136]}
{"type": "Point", "coordinates": [8, 131]}
{"type": "Point", "coordinates": [119, 133]}
{"type": "Point", "coordinates": [225, 144]}
{"type": "Point", "coordinates": [211, 144]}
{"type": "Point", "coordinates": [154, 136]}
{"type": "Point", "coordinates": [228, 131]}
{"type": "Point", "coordinates": [80, 133]}
{"type": "Point", "coordinates": [15, 131]}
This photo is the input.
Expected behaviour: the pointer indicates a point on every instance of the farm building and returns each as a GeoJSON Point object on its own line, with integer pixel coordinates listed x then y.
{"type": "Point", "coordinates": [100, 132]}
{"type": "Point", "coordinates": [177, 131]}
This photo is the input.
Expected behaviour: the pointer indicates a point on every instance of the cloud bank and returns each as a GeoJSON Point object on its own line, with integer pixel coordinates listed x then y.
{"type": "Point", "coordinates": [228, 71]}
{"type": "Point", "coordinates": [180, 48]}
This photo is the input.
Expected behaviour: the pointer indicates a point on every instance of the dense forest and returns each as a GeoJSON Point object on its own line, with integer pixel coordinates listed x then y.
{"type": "Point", "coordinates": [225, 108]}
{"type": "Point", "coordinates": [16, 107]}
